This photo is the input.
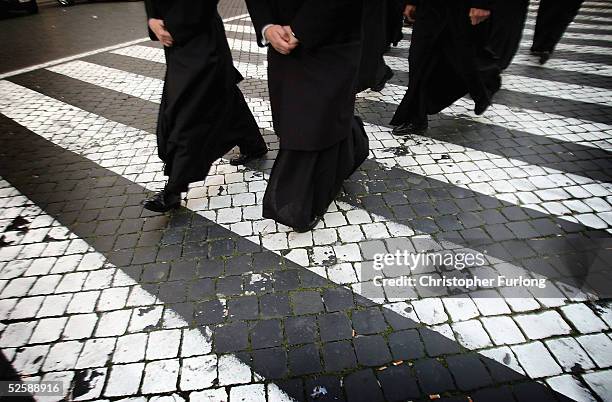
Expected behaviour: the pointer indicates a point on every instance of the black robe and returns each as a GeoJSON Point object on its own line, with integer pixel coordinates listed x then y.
{"type": "Point", "coordinates": [554, 16]}
{"type": "Point", "coordinates": [395, 22]}
{"type": "Point", "coordinates": [203, 114]}
{"type": "Point", "coordinates": [372, 67]}
{"type": "Point", "coordinates": [446, 61]}
{"type": "Point", "coordinates": [505, 29]}
{"type": "Point", "coordinates": [312, 95]}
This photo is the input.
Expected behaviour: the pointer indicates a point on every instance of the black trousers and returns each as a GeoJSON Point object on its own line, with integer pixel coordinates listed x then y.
{"type": "Point", "coordinates": [554, 16]}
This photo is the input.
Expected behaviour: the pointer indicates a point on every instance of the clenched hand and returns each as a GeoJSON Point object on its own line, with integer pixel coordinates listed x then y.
{"type": "Point", "coordinates": [281, 39]}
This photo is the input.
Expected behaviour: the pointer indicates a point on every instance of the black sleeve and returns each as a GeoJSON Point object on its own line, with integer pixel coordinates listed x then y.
{"type": "Point", "coordinates": [188, 18]}
{"type": "Point", "coordinates": [151, 13]}
{"type": "Point", "coordinates": [482, 4]}
{"type": "Point", "coordinates": [260, 16]}
{"type": "Point", "coordinates": [317, 20]}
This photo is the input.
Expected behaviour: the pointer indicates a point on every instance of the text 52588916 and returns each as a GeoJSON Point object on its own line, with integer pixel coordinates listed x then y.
{"type": "Point", "coordinates": [42, 388]}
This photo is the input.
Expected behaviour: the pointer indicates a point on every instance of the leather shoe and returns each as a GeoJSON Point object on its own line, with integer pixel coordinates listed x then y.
{"type": "Point", "coordinates": [243, 159]}
{"type": "Point", "coordinates": [162, 202]}
{"type": "Point", "coordinates": [543, 55]}
{"type": "Point", "coordinates": [411, 128]}
{"type": "Point", "coordinates": [381, 85]}
{"type": "Point", "coordinates": [310, 226]}
{"type": "Point", "coordinates": [481, 106]}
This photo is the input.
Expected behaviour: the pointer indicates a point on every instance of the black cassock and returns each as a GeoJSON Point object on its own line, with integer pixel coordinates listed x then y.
{"type": "Point", "coordinates": [505, 29]}
{"type": "Point", "coordinates": [447, 60]}
{"type": "Point", "coordinates": [312, 94]}
{"type": "Point", "coordinates": [375, 42]}
{"type": "Point", "coordinates": [554, 16]}
{"type": "Point", "coordinates": [395, 21]}
{"type": "Point", "coordinates": [203, 114]}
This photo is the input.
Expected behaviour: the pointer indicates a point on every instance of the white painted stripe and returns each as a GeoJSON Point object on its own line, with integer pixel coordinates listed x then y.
{"type": "Point", "coordinates": [240, 28]}
{"type": "Point", "coordinates": [562, 90]}
{"type": "Point", "coordinates": [148, 53]}
{"type": "Point", "coordinates": [526, 45]}
{"type": "Point", "coordinates": [246, 46]}
{"type": "Point", "coordinates": [576, 35]}
{"type": "Point", "coordinates": [66, 59]}
{"type": "Point", "coordinates": [146, 88]}
{"type": "Point", "coordinates": [578, 25]}
{"type": "Point", "coordinates": [251, 70]}
{"type": "Point", "coordinates": [565, 65]}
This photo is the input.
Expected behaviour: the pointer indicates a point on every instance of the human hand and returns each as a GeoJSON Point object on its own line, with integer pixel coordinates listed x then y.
{"type": "Point", "coordinates": [410, 12]}
{"type": "Point", "coordinates": [478, 15]}
{"type": "Point", "coordinates": [293, 41]}
{"type": "Point", "coordinates": [279, 39]}
{"type": "Point", "coordinates": [160, 31]}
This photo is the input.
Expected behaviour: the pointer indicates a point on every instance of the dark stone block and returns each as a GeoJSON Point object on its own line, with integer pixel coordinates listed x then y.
{"type": "Point", "coordinates": [231, 337]}
{"type": "Point", "coordinates": [339, 356]}
{"type": "Point", "coordinates": [406, 345]}
{"type": "Point", "coordinates": [433, 377]}
{"type": "Point", "coordinates": [398, 383]}
{"type": "Point", "coordinates": [300, 330]}
{"type": "Point", "coordinates": [372, 350]}
{"type": "Point", "coordinates": [469, 372]}
{"type": "Point", "coordinates": [362, 386]}
{"type": "Point", "coordinates": [304, 360]}
{"type": "Point", "coordinates": [335, 326]}
{"type": "Point", "coordinates": [266, 333]}
{"type": "Point", "coordinates": [370, 321]}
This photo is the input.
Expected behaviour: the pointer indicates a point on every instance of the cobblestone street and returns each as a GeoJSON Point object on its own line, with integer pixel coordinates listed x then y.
{"type": "Point", "coordinates": [214, 303]}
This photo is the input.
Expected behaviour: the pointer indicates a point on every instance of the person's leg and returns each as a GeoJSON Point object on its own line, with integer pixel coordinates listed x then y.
{"type": "Point", "coordinates": [554, 16]}
{"type": "Point", "coordinates": [411, 115]}
{"type": "Point", "coordinates": [249, 140]}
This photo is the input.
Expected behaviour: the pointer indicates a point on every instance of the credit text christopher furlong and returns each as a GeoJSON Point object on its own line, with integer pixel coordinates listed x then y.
{"type": "Point", "coordinates": [459, 261]}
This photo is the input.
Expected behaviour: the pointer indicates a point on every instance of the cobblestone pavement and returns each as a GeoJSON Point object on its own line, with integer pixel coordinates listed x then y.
{"type": "Point", "coordinates": [215, 303]}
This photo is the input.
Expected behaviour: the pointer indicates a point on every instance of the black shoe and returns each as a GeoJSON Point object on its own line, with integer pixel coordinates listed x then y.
{"type": "Point", "coordinates": [543, 55]}
{"type": "Point", "coordinates": [310, 226]}
{"type": "Point", "coordinates": [163, 202]}
{"type": "Point", "coordinates": [381, 85]}
{"type": "Point", "coordinates": [481, 107]}
{"type": "Point", "coordinates": [243, 159]}
{"type": "Point", "coordinates": [411, 128]}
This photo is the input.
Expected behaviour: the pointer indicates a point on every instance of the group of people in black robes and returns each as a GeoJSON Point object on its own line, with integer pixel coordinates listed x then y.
{"type": "Point", "coordinates": [320, 55]}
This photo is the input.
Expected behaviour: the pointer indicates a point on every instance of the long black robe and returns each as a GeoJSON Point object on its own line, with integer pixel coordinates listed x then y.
{"type": "Point", "coordinates": [203, 114]}
{"type": "Point", "coordinates": [372, 67]}
{"type": "Point", "coordinates": [554, 16]}
{"type": "Point", "coordinates": [445, 61]}
{"type": "Point", "coordinates": [312, 95]}
{"type": "Point", "coordinates": [505, 29]}
{"type": "Point", "coordinates": [395, 22]}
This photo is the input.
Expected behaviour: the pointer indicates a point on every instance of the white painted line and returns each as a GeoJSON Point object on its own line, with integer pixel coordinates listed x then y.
{"type": "Point", "coordinates": [70, 58]}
